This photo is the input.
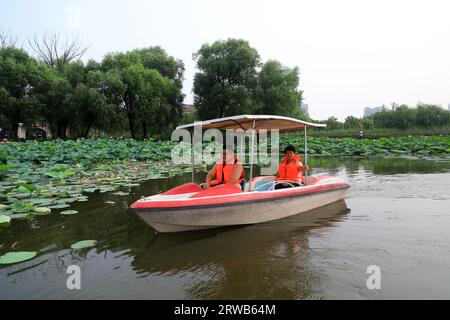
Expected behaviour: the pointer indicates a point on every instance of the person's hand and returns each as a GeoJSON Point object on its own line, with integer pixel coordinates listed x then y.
{"type": "Point", "coordinates": [205, 186]}
{"type": "Point", "coordinates": [304, 167]}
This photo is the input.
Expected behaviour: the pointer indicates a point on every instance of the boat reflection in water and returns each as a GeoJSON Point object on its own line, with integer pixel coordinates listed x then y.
{"type": "Point", "coordinates": [226, 263]}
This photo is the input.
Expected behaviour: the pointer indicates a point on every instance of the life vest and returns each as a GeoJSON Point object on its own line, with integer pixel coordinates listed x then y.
{"type": "Point", "coordinates": [224, 173]}
{"type": "Point", "coordinates": [289, 171]}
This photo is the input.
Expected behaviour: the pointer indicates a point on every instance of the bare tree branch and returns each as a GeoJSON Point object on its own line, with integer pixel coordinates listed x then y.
{"type": "Point", "coordinates": [7, 40]}
{"type": "Point", "coordinates": [52, 51]}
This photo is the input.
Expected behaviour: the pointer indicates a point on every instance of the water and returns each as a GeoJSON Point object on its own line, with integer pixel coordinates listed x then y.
{"type": "Point", "coordinates": [396, 216]}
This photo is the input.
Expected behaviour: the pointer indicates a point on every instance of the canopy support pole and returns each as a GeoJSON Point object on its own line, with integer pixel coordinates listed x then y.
{"type": "Point", "coordinates": [192, 160]}
{"type": "Point", "coordinates": [306, 154]}
{"type": "Point", "coordinates": [251, 154]}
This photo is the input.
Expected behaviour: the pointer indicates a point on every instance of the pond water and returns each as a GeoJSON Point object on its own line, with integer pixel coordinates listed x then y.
{"type": "Point", "coordinates": [396, 216]}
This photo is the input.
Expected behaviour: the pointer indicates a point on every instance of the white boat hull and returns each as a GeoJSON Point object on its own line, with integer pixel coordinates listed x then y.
{"type": "Point", "coordinates": [178, 220]}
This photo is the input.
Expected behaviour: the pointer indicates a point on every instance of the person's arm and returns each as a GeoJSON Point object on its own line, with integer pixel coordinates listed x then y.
{"type": "Point", "coordinates": [236, 173]}
{"type": "Point", "coordinates": [301, 167]}
{"type": "Point", "coordinates": [209, 177]}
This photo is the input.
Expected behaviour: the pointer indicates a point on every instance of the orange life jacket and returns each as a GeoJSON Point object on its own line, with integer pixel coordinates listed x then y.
{"type": "Point", "coordinates": [224, 173]}
{"type": "Point", "coordinates": [289, 171]}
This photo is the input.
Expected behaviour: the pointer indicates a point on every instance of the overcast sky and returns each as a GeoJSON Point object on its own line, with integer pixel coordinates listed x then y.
{"type": "Point", "coordinates": [351, 54]}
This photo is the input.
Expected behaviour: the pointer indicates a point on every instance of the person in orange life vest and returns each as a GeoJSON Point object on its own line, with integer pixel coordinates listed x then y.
{"type": "Point", "coordinates": [291, 169]}
{"type": "Point", "coordinates": [228, 170]}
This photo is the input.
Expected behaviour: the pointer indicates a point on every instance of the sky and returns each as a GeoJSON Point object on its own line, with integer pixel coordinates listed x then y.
{"type": "Point", "coordinates": [351, 54]}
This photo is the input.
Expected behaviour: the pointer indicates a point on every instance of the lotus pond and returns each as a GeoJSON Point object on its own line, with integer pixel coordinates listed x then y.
{"type": "Point", "coordinates": [44, 178]}
{"type": "Point", "coordinates": [395, 216]}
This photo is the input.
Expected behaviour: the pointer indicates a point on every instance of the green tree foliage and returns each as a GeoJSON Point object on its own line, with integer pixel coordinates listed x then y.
{"type": "Point", "coordinates": [58, 108]}
{"type": "Point", "coordinates": [148, 86]}
{"type": "Point", "coordinates": [226, 82]}
{"type": "Point", "coordinates": [278, 92]}
{"type": "Point", "coordinates": [367, 123]}
{"type": "Point", "coordinates": [333, 123]}
{"type": "Point", "coordinates": [404, 117]}
{"type": "Point", "coordinates": [233, 81]}
{"type": "Point", "coordinates": [352, 122]}
{"type": "Point", "coordinates": [140, 91]}
{"type": "Point", "coordinates": [18, 76]}
{"type": "Point", "coordinates": [428, 116]}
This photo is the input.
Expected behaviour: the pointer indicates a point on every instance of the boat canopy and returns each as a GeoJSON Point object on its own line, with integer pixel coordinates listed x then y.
{"type": "Point", "coordinates": [257, 122]}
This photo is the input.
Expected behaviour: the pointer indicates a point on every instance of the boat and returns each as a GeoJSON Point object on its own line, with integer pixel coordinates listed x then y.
{"type": "Point", "coordinates": [188, 207]}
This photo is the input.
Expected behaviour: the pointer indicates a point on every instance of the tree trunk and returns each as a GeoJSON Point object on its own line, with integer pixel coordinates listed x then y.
{"type": "Point", "coordinates": [15, 127]}
{"type": "Point", "coordinates": [144, 129]}
{"type": "Point", "coordinates": [88, 128]}
{"type": "Point", "coordinates": [58, 131]}
{"type": "Point", "coordinates": [131, 123]}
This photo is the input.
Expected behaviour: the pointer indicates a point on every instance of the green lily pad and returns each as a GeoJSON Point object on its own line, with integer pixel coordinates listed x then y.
{"type": "Point", "coordinates": [41, 211]}
{"type": "Point", "coordinates": [41, 201]}
{"type": "Point", "coordinates": [64, 201]}
{"type": "Point", "coordinates": [59, 206]}
{"type": "Point", "coordinates": [21, 206]}
{"type": "Point", "coordinates": [21, 216]}
{"type": "Point", "coordinates": [84, 244]}
{"type": "Point", "coordinates": [21, 189]}
{"type": "Point", "coordinates": [56, 175]}
{"type": "Point", "coordinates": [69, 212]}
{"type": "Point", "coordinates": [16, 257]}
{"type": "Point", "coordinates": [29, 186]}
{"type": "Point", "coordinates": [5, 167]}
{"type": "Point", "coordinates": [4, 219]}
{"type": "Point", "coordinates": [64, 195]}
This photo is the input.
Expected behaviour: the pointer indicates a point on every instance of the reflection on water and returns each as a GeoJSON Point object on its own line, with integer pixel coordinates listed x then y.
{"type": "Point", "coordinates": [260, 252]}
{"type": "Point", "coordinates": [399, 219]}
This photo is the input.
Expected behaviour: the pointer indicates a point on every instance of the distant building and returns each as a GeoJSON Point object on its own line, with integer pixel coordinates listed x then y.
{"type": "Point", "coordinates": [370, 111]}
{"type": "Point", "coordinates": [305, 108]}
{"type": "Point", "coordinates": [449, 107]}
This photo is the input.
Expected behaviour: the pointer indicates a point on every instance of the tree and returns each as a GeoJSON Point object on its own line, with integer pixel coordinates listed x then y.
{"type": "Point", "coordinates": [367, 123]}
{"type": "Point", "coordinates": [89, 107]}
{"type": "Point", "coordinates": [429, 116]}
{"type": "Point", "coordinates": [352, 122]}
{"type": "Point", "coordinates": [333, 123]}
{"type": "Point", "coordinates": [111, 87]}
{"type": "Point", "coordinates": [18, 75]}
{"type": "Point", "coordinates": [277, 90]}
{"type": "Point", "coordinates": [227, 80]}
{"type": "Point", "coordinates": [54, 52]}
{"type": "Point", "coordinates": [152, 98]}
{"type": "Point", "coordinates": [400, 117]}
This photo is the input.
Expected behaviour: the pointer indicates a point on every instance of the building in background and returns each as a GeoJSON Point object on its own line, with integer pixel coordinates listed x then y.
{"type": "Point", "coordinates": [370, 111]}
{"type": "Point", "coordinates": [449, 107]}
